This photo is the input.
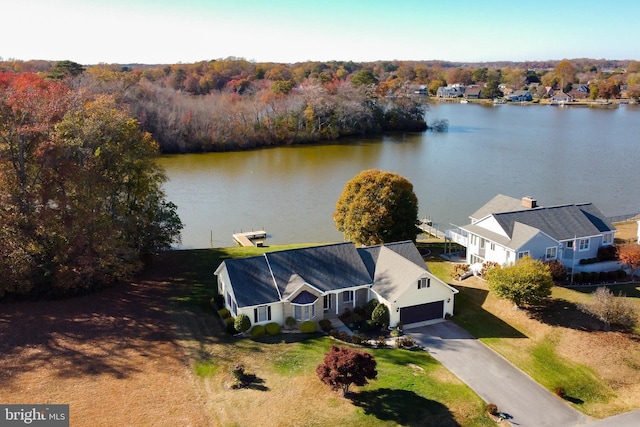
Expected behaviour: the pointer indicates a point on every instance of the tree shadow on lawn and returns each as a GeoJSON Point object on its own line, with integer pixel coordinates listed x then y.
{"type": "Point", "coordinates": [566, 314]}
{"type": "Point", "coordinates": [470, 315]}
{"type": "Point", "coordinates": [403, 407]}
{"type": "Point", "coordinates": [110, 332]}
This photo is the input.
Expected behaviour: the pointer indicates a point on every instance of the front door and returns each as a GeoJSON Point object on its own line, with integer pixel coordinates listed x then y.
{"type": "Point", "coordinates": [327, 302]}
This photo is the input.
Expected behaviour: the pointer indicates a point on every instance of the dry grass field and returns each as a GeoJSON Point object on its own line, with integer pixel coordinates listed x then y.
{"type": "Point", "coordinates": [112, 356]}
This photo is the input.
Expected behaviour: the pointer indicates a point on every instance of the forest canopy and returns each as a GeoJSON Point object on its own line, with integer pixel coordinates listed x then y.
{"type": "Point", "coordinates": [235, 104]}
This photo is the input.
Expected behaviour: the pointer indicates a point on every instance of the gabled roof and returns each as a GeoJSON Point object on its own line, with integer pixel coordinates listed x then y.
{"type": "Point", "coordinates": [392, 274]}
{"type": "Point", "coordinates": [277, 276]}
{"type": "Point", "coordinates": [326, 268]}
{"type": "Point", "coordinates": [252, 282]}
{"type": "Point", "coordinates": [561, 223]}
{"type": "Point", "coordinates": [499, 203]}
{"type": "Point", "coordinates": [406, 249]}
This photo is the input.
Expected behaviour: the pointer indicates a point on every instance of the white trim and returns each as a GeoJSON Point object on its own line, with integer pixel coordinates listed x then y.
{"type": "Point", "coordinates": [555, 253]}
{"type": "Point", "coordinates": [273, 278]}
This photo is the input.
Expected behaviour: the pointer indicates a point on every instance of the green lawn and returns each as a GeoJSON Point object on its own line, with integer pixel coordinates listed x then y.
{"type": "Point", "coordinates": [404, 376]}
{"type": "Point", "coordinates": [535, 351]}
{"type": "Point", "coordinates": [412, 388]}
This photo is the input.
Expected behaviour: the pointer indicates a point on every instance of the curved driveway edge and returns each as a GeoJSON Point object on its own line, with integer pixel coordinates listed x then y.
{"type": "Point", "coordinates": [494, 379]}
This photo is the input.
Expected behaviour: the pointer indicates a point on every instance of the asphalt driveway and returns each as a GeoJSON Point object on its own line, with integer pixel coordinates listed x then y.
{"type": "Point", "coordinates": [494, 379]}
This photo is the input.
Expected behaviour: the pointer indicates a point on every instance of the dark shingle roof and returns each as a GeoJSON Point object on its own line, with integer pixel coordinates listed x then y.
{"type": "Point", "coordinates": [560, 222]}
{"type": "Point", "coordinates": [275, 276]}
{"type": "Point", "coordinates": [252, 283]}
{"type": "Point", "coordinates": [304, 298]}
{"type": "Point", "coordinates": [327, 268]}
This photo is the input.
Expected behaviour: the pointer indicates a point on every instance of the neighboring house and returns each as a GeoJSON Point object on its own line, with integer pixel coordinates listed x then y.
{"type": "Point", "coordinates": [420, 90]}
{"type": "Point", "coordinates": [581, 88]}
{"type": "Point", "coordinates": [455, 91]}
{"type": "Point", "coordinates": [520, 96]}
{"type": "Point", "coordinates": [560, 96]}
{"type": "Point", "coordinates": [473, 92]}
{"type": "Point", "coordinates": [575, 94]}
{"type": "Point", "coordinates": [506, 229]}
{"type": "Point", "coordinates": [324, 281]}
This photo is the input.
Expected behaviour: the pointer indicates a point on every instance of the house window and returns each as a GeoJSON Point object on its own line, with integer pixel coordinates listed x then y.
{"type": "Point", "coordinates": [327, 302]}
{"type": "Point", "coordinates": [262, 314]}
{"type": "Point", "coordinates": [481, 243]}
{"type": "Point", "coordinates": [424, 282]}
{"type": "Point", "coordinates": [347, 296]}
{"type": "Point", "coordinates": [474, 239]}
{"type": "Point", "coordinates": [570, 244]}
{"type": "Point", "coordinates": [552, 253]}
{"type": "Point", "coordinates": [304, 312]}
{"type": "Point", "coordinates": [476, 259]}
{"type": "Point", "coordinates": [523, 254]}
{"type": "Point", "coordinates": [607, 239]}
{"type": "Point", "coordinates": [584, 244]}
{"type": "Point", "coordinates": [492, 246]}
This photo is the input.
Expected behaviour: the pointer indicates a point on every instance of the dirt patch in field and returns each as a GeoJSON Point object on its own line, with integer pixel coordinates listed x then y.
{"type": "Point", "coordinates": [112, 356]}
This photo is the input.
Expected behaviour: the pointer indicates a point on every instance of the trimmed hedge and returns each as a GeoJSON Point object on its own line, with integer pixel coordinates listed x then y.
{"type": "Point", "coordinates": [230, 322]}
{"type": "Point", "coordinates": [325, 325]}
{"type": "Point", "coordinates": [273, 328]}
{"type": "Point", "coordinates": [308, 327]}
{"type": "Point", "coordinates": [258, 331]}
{"type": "Point", "coordinates": [224, 313]}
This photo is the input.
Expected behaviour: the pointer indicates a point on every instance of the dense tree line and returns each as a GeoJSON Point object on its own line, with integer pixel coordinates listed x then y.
{"type": "Point", "coordinates": [81, 203]}
{"type": "Point", "coordinates": [231, 103]}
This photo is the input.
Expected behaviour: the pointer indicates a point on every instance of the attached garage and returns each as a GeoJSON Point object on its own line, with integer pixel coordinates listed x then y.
{"type": "Point", "coordinates": [422, 312]}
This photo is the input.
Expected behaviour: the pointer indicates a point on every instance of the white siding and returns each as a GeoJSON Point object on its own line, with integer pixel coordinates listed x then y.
{"type": "Point", "coordinates": [438, 291]}
{"type": "Point", "coordinates": [491, 224]}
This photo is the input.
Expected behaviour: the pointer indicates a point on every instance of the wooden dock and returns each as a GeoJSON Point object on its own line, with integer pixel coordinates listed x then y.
{"type": "Point", "coordinates": [427, 228]}
{"type": "Point", "coordinates": [248, 238]}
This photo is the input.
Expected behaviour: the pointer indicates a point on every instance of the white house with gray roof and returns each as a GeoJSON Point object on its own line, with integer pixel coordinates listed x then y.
{"type": "Point", "coordinates": [506, 229]}
{"type": "Point", "coordinates": [323, 281]}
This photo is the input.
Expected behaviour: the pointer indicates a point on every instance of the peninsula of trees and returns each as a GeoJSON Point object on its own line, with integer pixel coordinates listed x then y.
{"type": "Point", "coordinates": [234, 104]}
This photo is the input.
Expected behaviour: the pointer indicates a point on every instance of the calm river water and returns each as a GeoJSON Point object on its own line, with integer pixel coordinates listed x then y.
{"type": "Point", "coordinates": [556, 155]}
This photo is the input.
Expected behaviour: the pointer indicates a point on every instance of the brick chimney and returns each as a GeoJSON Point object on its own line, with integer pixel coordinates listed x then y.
{"type": "Point", "coordinates": [529, 202]}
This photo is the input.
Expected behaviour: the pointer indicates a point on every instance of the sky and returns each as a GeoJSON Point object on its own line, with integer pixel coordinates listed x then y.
{"type": "Point", "coordinates": [289, 31]}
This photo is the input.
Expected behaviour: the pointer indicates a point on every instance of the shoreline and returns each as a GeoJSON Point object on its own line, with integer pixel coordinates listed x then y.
{"type": "Point", "coordinates": [612, 103]}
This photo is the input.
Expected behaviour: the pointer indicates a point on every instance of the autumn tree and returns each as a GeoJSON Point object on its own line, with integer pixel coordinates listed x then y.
{"type": "Point", "coordinates": [630, 254]}
{"type": "Point", "coordinates": [82, 201]}
{"type": "Point", "coordinates": [344, 366]}
{"type": "Point", "coordinates": [566, 73]}
{"type": "Point", "coordinates": [611, 309]}
{"type": "Point", "coordinates": [377, 207]}
{"type": "Point", "coordinates": [527, 282]}
{"type": "Point", "coordinates": [607, 89]}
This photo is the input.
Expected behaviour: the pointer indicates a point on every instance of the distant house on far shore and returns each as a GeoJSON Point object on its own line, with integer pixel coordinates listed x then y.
{"type": "Point", "coordinates": [473, 92]}
{"type": "Point", "coordinates": [561, 97]}
{"type": "Point", "coordinates": [520, 96]}
{"type": "Point", "coordinates": [453, 91]}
